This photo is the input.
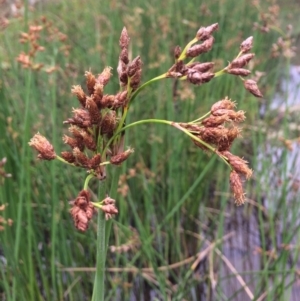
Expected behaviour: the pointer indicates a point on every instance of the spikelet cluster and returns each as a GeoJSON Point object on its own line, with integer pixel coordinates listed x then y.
{"type": "Point", "coordinates": [218, 131]}
{"type": "Point", "coordinates": [196, 73]}
{"type": "Point", "coordinates": [36, 42]}
{"type": "Point", "coordinates": [82, 210]}
{"type": "Point", "coordinates": [93, 124]}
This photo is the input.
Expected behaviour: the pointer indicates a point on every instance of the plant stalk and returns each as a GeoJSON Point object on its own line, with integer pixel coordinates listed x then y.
{"type": "Point", "coordinates": [98, 291]}
{"type": "Point", "coordinates": [103, 232]}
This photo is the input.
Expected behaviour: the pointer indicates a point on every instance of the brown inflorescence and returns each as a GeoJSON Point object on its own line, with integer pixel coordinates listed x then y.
{"type": "Point", "coordinates": [196, 73]}
{"type": "Point", "coordinates": [34, 38]}
{"type": "Point", "coordinates": [128, 71]}
{"type": "Point", "coordinates": [96, 120]}
{"type": "Point", "coordinates": [43, 146]}
{"type": "Point", "coordinates": [109, 208]}
{"type": "Point", "coordinates": [237, 188]}
{"type": "Point", "coordinates": [217, 133]}
{"type": "Point", "coordinates": [120, 158]}
{"type": "Point", "coordinates": [82, 210]}
{"type": "Point", "coordinates": [237, 67]}
{"type": "Point", "coordinates": [251, 86]}
{"type": "Point", "coordinates": [96, 127]}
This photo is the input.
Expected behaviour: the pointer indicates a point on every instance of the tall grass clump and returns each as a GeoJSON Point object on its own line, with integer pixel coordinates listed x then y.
{"type": "Point", "coordinates": [176, 235]}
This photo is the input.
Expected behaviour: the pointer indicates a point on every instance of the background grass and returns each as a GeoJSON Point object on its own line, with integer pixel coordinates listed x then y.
{"type": "Point", "coordinates": [174, 201]}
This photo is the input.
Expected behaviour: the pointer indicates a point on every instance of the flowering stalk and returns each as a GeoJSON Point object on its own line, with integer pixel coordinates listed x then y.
{"type": "Point", "coordinates": [98, 126]}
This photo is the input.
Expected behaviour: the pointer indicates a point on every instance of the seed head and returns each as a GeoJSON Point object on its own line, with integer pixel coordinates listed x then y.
{"type": "Point", "coordinates": [90, 81]}
{"type": "Point", "coordinates": [201, 67]}
{"type": "Point", "coordinates": [104, 77]}
{"type": "Point", "coordinates": [246, 45]}
{"type": "Point", "coordinates": [81, 158]}
{"type": "Point", "coordinates": [108, 101]}
{"type": "Point", "coordinates": [198, 78]}
{"type": "Point", "coordinates": [205, 32]}
{"type": "Point", "coordinates": [88, 140]}
{"type": "Point", "coordinates": [237, 188]}
{"type": "Point", "coordinates": [95, 161]}
{"type": "Point", "coordinates": [120, 99]}
{"type": "Point", "coordinates": [198, 49]}
{"type": "Point", "coordinates": [121, 69]}
{"type": "Point", "coordinates": [134, 66]}
{"type": "Point", "coordinates": [238, 71]}
{"type": "Point", "coordinates": [229, 136]}
{"type": "Point", "coordinates": [177, 52]}
{"type": "Point", "coordinates": [43, 146]}
{"type": "Point", "coordinates": [68, 156]}
{"type": "Point", "coordinates": [124, 39]}
{"type": "Point", "coordinates": [251, 86]}
{"type": "Point", "coordinates": [214, 121]}
{"type": "Point", "coordinates": [78, 91]}
{"type": "Point", "coordinates": [238, 164]}
{"type": "Point", "coordinates": [93, 110]}
{"type": "Point", "coordinates": [241, 61]}
{"type": "Point", "coordinates": [98, 90]}
{"type": "Point", "coordinates": [120, 158]}
{"type": "Point", "coordinates": [73, 142]}
{"type": "Point", "coordinates": [136, 79]}
{"type": "Point", "coordinates": [109, 207]}
{"type": "Point", "coordinates": [81, 118]}
{"type": "Point", "coordinates": [124, 56]}
{"type": "Point", "coordinates": [225, 103]}
{"type": "Point", "coordinates": [82, 210]}
{"type": "Point", "coordinates": [109, 123]}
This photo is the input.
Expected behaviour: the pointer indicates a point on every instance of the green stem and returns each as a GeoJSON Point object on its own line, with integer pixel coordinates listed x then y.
{"type": "Point", "coordinates": [98, 290]}
{"type": "Point", "coordinates": [131, 125]}
{"type": "Point", "coordinates": [134, 95]}
{"type": "Point", "coordinates": [87, 180]}
{"type": "Point", "coordinates": [219, 73]}
{"type": "Point", "coordinates": [142, 87]}
{"type": "Point", "coordinates": [103, 232]}
{"type": "Point", "coordinates": [64, 161]}
{"type": "Point", "coordinates": [183, 53]}
{"type": "Point", "coordinates": [200, 119]}
{"type": "Point", "coordinates": [174, 124]}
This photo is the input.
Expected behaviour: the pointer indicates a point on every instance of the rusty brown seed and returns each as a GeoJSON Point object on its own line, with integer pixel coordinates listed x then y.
{"type": "Point", "coordinates": [225, 103]}
{"type": "Point", "coordinates": [134, 66]}
{"type": "Point", "coordinates": [238, 164]}
{"type": "Point", "coordinates": [251, 86]}
{"type": "Point", "coordinates": [237, 188]}
{"type": "Point", "coordinates": [124, 39]}
{"type": "Point", "coordinates": [78, 91]}
{"type": "Point", "coordinates": [43, 146]}
{"type": "Point", "coordinates": [246, 45]}
{"type": "Point", "coordinates": [177, 52]}
{"type": "Point", "coordinates": [238, 71]}
{"type": "Point", "coordinates": [90, 81]}
{"type": "Point", "coordinates": [201, 67]}
{"type": "Point", "coordinates": [198, 49]}
{"type": "Point", "coordinates": [198, 78]}
{"type": "Point", "coordinates": [104, 77]}
{"type": "Point", "coordinates": [120, 158]}
{"type": "Point", "coordinates": [205, 32]}
{"type": "Point", "coordinates": [241, 61]}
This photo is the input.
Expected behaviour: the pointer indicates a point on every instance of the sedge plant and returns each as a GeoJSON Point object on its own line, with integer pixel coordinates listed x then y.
{"type": "Point", "coordinates": [98, 126]}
